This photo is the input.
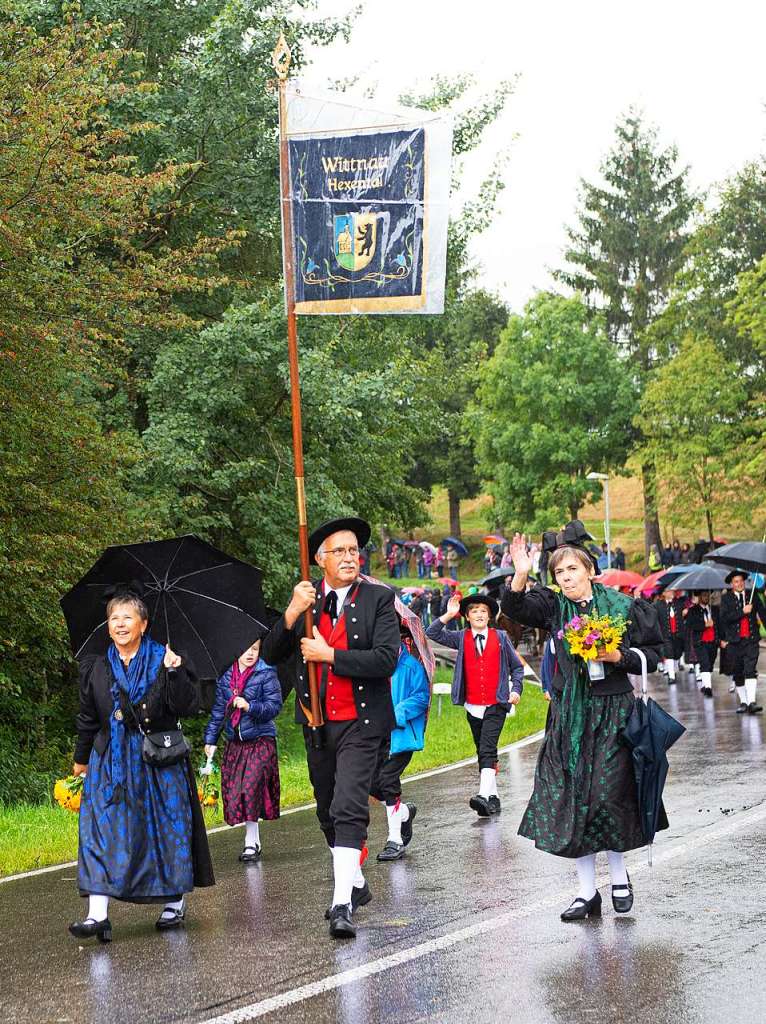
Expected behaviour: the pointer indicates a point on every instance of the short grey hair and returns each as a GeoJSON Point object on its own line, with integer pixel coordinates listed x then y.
{"type": "Point", "coordinates": [130, 599]}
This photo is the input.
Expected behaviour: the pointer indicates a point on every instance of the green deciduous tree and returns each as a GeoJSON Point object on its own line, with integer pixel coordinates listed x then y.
{"type": "Point", "coordinates": [627, 248]}
{"type": "Point", "coordinates": [693, 417]}
{"type": "Point", "coordinates": [555, 402]}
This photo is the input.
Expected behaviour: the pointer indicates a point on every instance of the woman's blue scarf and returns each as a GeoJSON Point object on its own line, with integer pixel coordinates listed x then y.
{"type": "Point", "coordinates": [142, 672]}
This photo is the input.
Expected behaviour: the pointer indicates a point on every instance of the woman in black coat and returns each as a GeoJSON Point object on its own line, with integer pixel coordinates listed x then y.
{"type": "Point", "coordinates": [141, 832]}
{"type": "Point", "coordinates": [584, 799]}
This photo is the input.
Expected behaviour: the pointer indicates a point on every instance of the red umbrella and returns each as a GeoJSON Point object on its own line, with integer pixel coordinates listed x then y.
{"type": "Point", "coordinates": [651, 581]}
{"type": "Point", "coordinates": [494, 538]}
{"type": "Point", "coordinates": [412, 590]}
{"type": "Point", "coordinates": [620, 578]}
{"type": "Point", "coordinates": [448, 580]}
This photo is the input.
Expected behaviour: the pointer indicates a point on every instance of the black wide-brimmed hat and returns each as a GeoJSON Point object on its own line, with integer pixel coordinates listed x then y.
{"type": "Point", "coordinates": [358, 527]}
{"type": "Point", "coordinates": [737, 572]}
{"type": "Point", "coordinates": [484, 599]}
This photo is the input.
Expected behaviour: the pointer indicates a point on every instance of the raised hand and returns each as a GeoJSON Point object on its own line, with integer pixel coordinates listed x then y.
{"type": "Point", "coordinates": [522, 563]}
{"type": "Point", "coordinates": [453, 609]}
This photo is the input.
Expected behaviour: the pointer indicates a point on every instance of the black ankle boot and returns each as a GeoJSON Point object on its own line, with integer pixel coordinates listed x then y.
{"type": "Point", "coordinates": [623, 904]}
{"type": "Point", "coordinates": [89, 928]}
{"type": "Point", "coordinates": [579, 909]}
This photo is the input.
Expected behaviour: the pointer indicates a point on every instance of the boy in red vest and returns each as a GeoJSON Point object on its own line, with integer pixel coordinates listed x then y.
{"type": "Point", "coordinates": [488, 679]}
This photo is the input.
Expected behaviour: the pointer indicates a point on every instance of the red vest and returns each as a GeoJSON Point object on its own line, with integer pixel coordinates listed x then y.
{"type": "Point", "coordinates": [673, 620]}
{"type": "Point", "coordinates": [481, 673]}
{"type": "Point", "coordinates": [339, 695]}
{"type": "Point", "coordinates": [744, 627]}
{"type": "Point", "coordinates": [708, 633]}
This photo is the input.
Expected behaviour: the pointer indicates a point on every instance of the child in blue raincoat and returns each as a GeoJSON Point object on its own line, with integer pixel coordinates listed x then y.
{"type": "Point", "coordinates": [410, 695]}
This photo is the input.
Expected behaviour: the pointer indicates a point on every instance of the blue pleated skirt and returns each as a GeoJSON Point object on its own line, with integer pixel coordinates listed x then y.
{"type": "Point", "coordinates": [140, 849]}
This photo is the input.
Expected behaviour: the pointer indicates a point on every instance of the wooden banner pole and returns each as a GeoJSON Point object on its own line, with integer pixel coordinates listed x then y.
{"type": "Point", "coordinates": [281, 63]}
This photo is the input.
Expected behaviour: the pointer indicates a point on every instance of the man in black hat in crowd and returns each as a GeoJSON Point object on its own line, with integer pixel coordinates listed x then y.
{"type": "Point", "coordinates": [739, 617]}
{"type": "Point", "coordinates": [488, 679]}
{"type": "Point", "coordinates": [355, 645]}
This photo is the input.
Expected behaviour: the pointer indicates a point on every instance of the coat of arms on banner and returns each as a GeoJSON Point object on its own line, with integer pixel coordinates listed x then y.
{"type": "Point", "coordinates": [355, 238]}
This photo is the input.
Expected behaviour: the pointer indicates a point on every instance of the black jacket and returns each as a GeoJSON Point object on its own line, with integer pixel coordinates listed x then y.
{"type": "Point", "coordinates": [539, 607]}
{"type": "Point", "coordinates": [695, 623]}
{"type": "Point", "coordinates": [173, 695]}
{"type": "Point", "coordinates": [730, 615]}
{"type": "Point", "coordinates": [663, 616]}
{"type": "Point", "coordinates": [372, 628]}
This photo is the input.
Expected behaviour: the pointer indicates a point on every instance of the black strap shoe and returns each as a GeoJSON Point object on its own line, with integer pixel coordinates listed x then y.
{"type": "Point", "coordinates": [340, 922]}
{"type": "Point", "coordinates": [480, 804]}
{"type": "Point", "coordinates": [170, 918]}
{"type": "Point", "coordinates": [90, 928]}
{"type": "Point", "coordinates": [391, 851]}
{"type": "Point", "coordinates": [623, 904]}
{"type": "Point", "coordinates": [581, 909]}
{"type": "Point", "coordinates": [753, 708]}
{"type": "Point", "coordinates": [250, 854]}
{"type": "Point", "coordinates": [494, 804]}
{"type": "Point", "coordinates": [742, 709]}
{"type": "Point", "coordinates": [708, 691]}
{"type": "Point", "coordinates": [407, 825]}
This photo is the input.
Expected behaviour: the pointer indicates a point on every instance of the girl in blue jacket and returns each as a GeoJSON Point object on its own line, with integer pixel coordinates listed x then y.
{"type": "Point", "coordinates": [410, 696]}
{"type": "Point", "coordinates": [248, 698]}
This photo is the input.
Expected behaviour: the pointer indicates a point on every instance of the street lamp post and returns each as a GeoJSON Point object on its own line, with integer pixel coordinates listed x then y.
{"type": "Point", "coordinates": [604, 478]}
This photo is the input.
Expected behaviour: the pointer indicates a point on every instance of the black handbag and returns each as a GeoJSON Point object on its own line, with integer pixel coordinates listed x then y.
{"type": "Point", "coordinates": [161, 749]}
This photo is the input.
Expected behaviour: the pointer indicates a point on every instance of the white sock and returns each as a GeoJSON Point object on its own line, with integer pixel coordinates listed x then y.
{"type": "Point", "coordinates": [707, 679]}
{"type": "Point", "coordinates": [586, 876]}
{"type": "Point", "coordinates": [486, 782]}
{"type": "Point", "coordinates": [252, 834]}
{"type": "Point", "coordinates": [345, 861]}
{"type": "Point", "coordinates": [169, 908]}
{"type": "Point", "coordinates": [359, 877]}
{"type": "Point", "coordinates": [618, 871]}
{"type": "Point", "coordinates": [750, 687]}
{"type": "Point", "coordinates": [670, 667]}
{"type": "Point", "coordinates": [741, 694]}
{"type": "Point", "coordinates": [394, 814]}
{"type": "Point", "coordinates": [698, 673]}
{"type": "Point", "coordinates": [98, 907]}
{"type": "Point", "coordinates": [682, 662]}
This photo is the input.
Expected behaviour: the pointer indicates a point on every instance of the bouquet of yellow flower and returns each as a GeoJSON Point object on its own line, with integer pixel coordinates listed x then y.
{"type": "Point", "coordinates": [68, 792]}
{"type": "Point", "coordinates": [589, 636]}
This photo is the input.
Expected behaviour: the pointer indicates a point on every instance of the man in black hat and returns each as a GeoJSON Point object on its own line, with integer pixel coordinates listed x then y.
{"type": "Point", "coordinates": [488, 679]}
{"type": "Point", "coordinates": [739, 617]}
{"type": "Point", "coordinates": [355, 645]}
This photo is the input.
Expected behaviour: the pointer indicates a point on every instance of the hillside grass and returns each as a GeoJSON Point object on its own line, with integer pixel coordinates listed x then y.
{"type": "Point", "coordinates": [35, 836]}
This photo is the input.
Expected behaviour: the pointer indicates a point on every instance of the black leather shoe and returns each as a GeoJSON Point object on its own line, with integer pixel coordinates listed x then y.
{"type": "Point", "coordinates": [340, 922]}
{"type": "Point", "coordinates": [250, 854]}
{"type": "Point", "coordinates": [742, 709]}
{"type": "Point", "coordinates": [753, 708]}
{"type": "Point", "coordinates": [170, 918]}
{"type": "Point", "coordinates": [623, 904]}
{"type": "Point", "coordinates": [89, 928]}
{"type": "Point", "coordinates": [494, 804]}
{"type": "Point", "coordinates": [360, 896]}
{"type": "Point", "coordinates": [391, 851]}
{"type": "Point", "coordinates": [480, 804]}
{"type": "Point", "coordinates": [580, 909]}
{"type": "Point", "coordinates": [708, 691]}
{"type": "Point", "coordinates": [407, 825]}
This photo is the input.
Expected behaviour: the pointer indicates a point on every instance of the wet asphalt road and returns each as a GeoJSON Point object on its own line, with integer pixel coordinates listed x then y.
{"type": "Point", "coordinates": [466, 928]}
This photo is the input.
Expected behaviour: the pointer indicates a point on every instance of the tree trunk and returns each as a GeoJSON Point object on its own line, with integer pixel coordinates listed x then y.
{"type": "Point", "coordinates": [651, 517]}
{"type": "Point", "coordinates": [454, 514]}
{"type": "Point", "coordinates": [709, 519]}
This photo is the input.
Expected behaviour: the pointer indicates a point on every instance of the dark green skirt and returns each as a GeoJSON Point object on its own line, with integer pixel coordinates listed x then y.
{"type": "Point", "coordinates": [596, 808]}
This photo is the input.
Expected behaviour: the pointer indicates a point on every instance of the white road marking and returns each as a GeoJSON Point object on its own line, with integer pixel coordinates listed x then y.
{"type": "Point", "coordinates": [303, 807]}
{"type": "Point", "coordinates": [334, 981]}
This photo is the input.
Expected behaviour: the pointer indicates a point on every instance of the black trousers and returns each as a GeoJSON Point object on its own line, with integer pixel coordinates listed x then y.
{"type": "Point", "coordinates": [743, 660]}
{"type": "Point", "coordinates": [674, 647]}
{"type": "Point", "coordinates": [341, 775]}
{"type": "Point", "coordinates": [707, 655]}
{"type": "Point", "coordinates": [486, 733]}
{"type": "Point", "coordinates": [387, 780]}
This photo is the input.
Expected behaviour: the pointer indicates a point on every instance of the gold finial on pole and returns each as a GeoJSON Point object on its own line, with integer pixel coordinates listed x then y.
{"type": "Point", "coordinates": [281, 57]}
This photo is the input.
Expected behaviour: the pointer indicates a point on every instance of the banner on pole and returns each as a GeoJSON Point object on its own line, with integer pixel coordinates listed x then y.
{"type": "Point", "coordinates": [368, 195]}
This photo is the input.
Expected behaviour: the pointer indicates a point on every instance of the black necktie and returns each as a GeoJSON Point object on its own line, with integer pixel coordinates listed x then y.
{"type": "Point", "coordinates": [479, 644]}
{"type": "Point", "coordinates": [331, 605]}
{"type": "Point", "coordinates": [741, 599]}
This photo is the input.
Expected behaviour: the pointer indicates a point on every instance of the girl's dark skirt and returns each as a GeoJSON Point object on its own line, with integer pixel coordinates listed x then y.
{"type": "Point", "coordinates": [596, 808]}
{"type": "Point", "coordinates": [250, 780]}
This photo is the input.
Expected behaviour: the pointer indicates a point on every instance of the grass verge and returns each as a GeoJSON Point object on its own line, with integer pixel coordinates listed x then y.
{"type": "Point", "coordinates": [35, 836]}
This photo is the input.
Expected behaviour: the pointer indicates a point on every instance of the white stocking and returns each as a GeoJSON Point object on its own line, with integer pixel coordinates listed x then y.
{"type": "Point", "coordinates": [750, 688]}
{"type": "Point", "coordinates": [98, 907]}
{"type": "Point", "coordinates": [670, 667]}
{"type": "Point", "coordinates": [741, 696]}
{"type": "Point", "coordinates": [586, 875]}
{"type": "Point", "coordinates": [618, 871]}
{"type": "Point", "coordinates": [252, 834]}
{"type": "Point", "coordinates": [486, 782]}
{"type": "Point", "coordinates": [345, 866]}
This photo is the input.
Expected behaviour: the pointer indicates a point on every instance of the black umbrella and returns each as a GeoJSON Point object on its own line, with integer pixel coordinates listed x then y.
{"type": "Point", "coordinates": [649, 733]}
{"type": "Point", "coordinates": [496, 577]}
{"type": "Point", "coordinates": [701, 577]}
{"type": "Point", "coordinates": [207, 605]}
{"type": "Point", "coordinates": [742, 554]}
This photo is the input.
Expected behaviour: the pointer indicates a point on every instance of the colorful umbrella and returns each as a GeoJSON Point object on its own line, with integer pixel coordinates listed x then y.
{"type": "Point", "coordinates": [620, 578]}
{"type": "Point", "coordinates": [427, 544]}
{"type": "Point", "coordinates": [494, 538]}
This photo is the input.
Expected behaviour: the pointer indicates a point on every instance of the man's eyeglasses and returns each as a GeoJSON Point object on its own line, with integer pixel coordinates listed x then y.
{"type": "Point", "coordinates": [340, 552]}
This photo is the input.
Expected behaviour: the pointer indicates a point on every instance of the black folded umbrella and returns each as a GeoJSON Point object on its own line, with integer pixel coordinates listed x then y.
{"type": "Point", "coordinates": [649, 733]}
{"type": "Point", "coordinates": [205, 604]}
